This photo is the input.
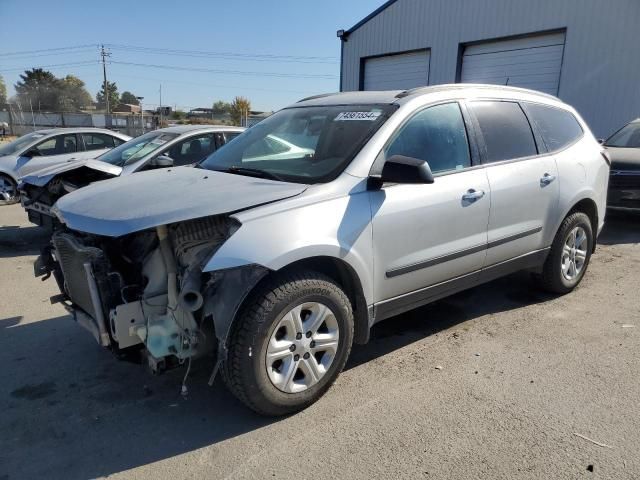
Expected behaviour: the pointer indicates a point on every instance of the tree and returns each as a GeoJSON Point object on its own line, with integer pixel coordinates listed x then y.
{"type": "Point", "coordinates": [221, 107]}
{"type": "Point", "coordinates": [39, 87]}
{"type": "Point", "coordinates": [129, 98]}
{"type": "Point", "coordinates": [178, 115]}
{"type": "Point", "coordinates": [114, 97]}
{"type": "Point", "coordinates": [73, 96]}
{"type": "Point", "coordinates": [3, 92]}
{"type": "Point", "coordinates": [240, 108]}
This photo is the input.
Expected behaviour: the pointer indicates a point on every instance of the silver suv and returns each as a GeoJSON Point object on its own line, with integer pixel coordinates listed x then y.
{"type": "Point", "coordinates": [340, 211]}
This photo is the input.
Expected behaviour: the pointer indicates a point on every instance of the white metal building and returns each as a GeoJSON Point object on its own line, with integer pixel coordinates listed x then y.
{"type": "Point", "coordinates": [587, 52]}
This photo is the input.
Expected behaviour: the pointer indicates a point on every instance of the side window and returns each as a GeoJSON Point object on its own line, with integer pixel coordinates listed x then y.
{"type": "Point", "coordinates": [505, 129]}
{"type": "Point", "coordinates": [58, 145]}
{"type": "Point", "coordinates": [46, 148]}
{"type": "Point", "coordinates": [192, 149]}
{"type": "Point", "coordinates": [117, 141]}
{"type": "Point", "coordinates": [97, 141]}
{"type": "Point", "coordinates": [558, 128]}
{"type": "Point", "coordinates": [437, 135]}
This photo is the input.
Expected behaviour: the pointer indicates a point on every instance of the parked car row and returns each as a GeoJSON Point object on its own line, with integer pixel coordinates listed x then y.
{"type": "Point", "coordinates": [278, 251]}
{"type": "Point", "coordinates": [45, 148]}
{"type": "Point", "coordinates": [167, 147]}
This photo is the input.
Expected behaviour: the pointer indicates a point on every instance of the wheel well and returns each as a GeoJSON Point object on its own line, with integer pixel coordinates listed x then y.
{"type": "Point", "coordinates": [589, 208]}
{"type": "Point", "coordinates": [346, 277]}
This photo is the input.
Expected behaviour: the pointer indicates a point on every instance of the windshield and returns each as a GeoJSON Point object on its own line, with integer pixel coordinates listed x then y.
{"type": "Point", "coordinates": [136, 148]}
{"type": "Point", "coordinates": [303, 145]}
{"type": "Point", "coordinates": [19, 143]}
{"type": "Point", "coordinates": [627, 137]}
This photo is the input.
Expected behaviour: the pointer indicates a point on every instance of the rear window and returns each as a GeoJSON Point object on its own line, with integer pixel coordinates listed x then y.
{"type": "Point", "coordinates": [558, 128]}
{"type": "Point", "coordinates": [505, 130]}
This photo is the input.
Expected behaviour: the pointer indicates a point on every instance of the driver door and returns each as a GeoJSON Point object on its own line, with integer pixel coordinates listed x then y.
{"type": "Point", "coordinates": [428, 238]}
{"type": "Point", "coordinates": [53, 150]}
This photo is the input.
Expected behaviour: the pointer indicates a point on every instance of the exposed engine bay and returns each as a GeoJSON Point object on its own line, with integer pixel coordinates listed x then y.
{"type": "Point", "coordinates": [142, 291]}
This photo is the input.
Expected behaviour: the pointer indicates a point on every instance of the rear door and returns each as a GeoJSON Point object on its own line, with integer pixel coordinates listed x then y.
{"type": "Point", "coordinates": [523, 180]}
{"type": "Point", "coordinates": [425, 235]}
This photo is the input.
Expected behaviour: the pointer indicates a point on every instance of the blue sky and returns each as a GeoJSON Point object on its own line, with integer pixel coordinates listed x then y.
{"type": "Point", "coordinates": [254, 28]}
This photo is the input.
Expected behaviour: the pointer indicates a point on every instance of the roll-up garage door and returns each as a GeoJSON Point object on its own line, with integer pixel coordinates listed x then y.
{"type": "Point", "coordinates": [531, 62]}
{"type": "Point", "coordinates": [397, 72]}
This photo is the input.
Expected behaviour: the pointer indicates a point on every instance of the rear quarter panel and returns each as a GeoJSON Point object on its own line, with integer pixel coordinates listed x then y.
{"type": "Point", "coordinates": [583, 173]}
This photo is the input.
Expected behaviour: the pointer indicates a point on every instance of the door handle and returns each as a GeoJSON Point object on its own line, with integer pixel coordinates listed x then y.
{"type": "Point", "coordinates": [546, 179]}
{"type": "Point", "coordinates": [472, 195]}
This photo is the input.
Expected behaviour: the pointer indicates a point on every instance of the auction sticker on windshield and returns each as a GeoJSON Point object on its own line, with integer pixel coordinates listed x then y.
{"type": "Point", "coordinates": [343, 116]}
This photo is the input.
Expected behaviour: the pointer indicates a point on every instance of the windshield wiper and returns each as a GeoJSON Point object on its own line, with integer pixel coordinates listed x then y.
{"type": "Point", "coordinates": [254, 172]}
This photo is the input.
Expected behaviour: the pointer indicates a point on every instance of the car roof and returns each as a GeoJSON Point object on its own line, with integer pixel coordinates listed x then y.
{"type": "Point", "coordinates": [465, 90]}
{"type": "Point", "coordinates": [180, 129]}
{"type": "Point", "coordinates": [51, 131]}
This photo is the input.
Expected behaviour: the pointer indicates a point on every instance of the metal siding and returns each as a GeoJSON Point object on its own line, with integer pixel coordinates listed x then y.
{"type": "Point", "coordinates": [396, 72]}
{"type": "Point", "coordinates": [531, 62]}
{"type": "Point", "coordinates": [600, 66]}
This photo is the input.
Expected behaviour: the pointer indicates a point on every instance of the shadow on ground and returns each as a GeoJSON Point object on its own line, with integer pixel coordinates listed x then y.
{"type": "Point", "coordinates": [16, 241]}
{"type": "Point", "coordinates": [83, 414]}
{"type": "Point", "coordinates": [620, 228]}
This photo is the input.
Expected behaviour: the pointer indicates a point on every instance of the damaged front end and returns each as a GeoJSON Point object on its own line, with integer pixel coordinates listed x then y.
{"type": "Point", "coordinates": [39, 193]}
{"type": "Point", "coordinates": [146, 291]}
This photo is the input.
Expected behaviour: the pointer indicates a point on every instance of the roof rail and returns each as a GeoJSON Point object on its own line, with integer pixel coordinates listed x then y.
{"type": "Point", "coordinates": [322, 95]}
{"type": "Point", "coordinates": [460, 86]}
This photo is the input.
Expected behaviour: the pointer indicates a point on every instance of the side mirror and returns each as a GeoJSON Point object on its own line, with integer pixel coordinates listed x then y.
{"type": "Point", "coordinates": [401, 169]}
{"type": "Point", "coordinates": [162, 161]}
{"type": "Point", "coordinates": [601, 141]}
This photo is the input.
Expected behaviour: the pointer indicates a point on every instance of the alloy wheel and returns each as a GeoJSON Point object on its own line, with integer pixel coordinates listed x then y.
{"type": "Point", "coordinates": [302, 347]}
{"type": "Point", "coordinates": [574, 253]}
{"type": "Point", "coordinates": [8, 191]}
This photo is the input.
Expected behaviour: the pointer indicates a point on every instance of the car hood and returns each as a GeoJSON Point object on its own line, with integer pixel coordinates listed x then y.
{"type": "Point", "coordinates": [158, 197]}
{"type": "Point", "coordinates": [624, 158]}
{"type": "Point", "coordinates": [27, 166]}
{"type": "Point", "coordinates": [43, 176]}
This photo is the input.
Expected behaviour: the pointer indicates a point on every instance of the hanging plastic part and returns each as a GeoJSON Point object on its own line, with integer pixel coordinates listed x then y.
{"type": "Point", "coordinates": [222, 353]}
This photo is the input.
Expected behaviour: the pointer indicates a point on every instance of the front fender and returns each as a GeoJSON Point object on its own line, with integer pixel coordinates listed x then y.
{"type": "Point", "coordinates": [338, 227]}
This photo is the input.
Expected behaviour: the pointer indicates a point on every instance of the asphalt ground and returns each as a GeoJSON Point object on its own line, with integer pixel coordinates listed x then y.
{"type": "Point", "coordinates": [494, 382]}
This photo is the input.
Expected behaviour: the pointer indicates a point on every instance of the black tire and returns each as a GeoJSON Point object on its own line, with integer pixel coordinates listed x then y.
{"type": "Point", "coordinates": [244, 370]}
{"type": "Point", "coordinates": [552, 278]}
{"type": "Point", "coordinates": [15, 197]}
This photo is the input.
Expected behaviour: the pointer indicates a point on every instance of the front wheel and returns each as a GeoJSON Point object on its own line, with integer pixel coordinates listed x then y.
{"type": "Point", "coordinates": [8, 191]}
{"type": "Point", "coordinates": [291, 342]}
{"type": "Point", "coordinates": [570, 254]}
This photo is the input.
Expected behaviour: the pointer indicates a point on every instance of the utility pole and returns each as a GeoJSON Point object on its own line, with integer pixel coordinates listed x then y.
{"type": "Point", "coordinates": [104, 54]}
{"type": "Point", "coordinates": [160, 105]}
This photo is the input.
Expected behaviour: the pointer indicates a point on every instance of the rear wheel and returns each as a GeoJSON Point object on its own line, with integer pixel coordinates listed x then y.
{"type": "Point", "coordinates": [291, 342]}
{"type": "Point", "coordinates": [8, 190]}
{"type": "Point", "coordinates": [570, 254]}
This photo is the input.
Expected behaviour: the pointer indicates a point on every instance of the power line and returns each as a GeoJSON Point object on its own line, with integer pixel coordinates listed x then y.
{"type": "Point", "coordinates": [210, 85]}
{"type": "Point", "coordinates": [229, 72]}
{"type": "Point", "coordinates": [56, 65]}
{"type": "Point", "coordinates": [226, 55]}
{"type": "Point", "coordinates": [24, 52]}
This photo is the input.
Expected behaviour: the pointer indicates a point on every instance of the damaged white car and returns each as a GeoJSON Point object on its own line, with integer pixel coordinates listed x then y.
{"type": "Point", "coordinates": [277, 262]}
